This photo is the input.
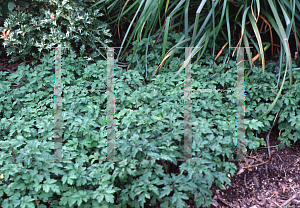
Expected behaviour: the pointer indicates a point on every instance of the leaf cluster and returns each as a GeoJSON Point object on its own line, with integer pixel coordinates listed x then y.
{"type": "Point", "coordinates": [149, 126]}
{"type": "Point", "coordinates": [49, 23]}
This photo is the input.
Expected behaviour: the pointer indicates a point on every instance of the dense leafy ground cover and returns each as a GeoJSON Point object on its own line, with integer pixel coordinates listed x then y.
{"type": "Point", "coordinates": [149, 119]}
{"type": "Point", "coordinates": [148, 123]}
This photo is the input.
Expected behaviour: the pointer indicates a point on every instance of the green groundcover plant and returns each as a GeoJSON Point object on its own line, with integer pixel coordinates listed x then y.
{"type": "Point", "coordinates": [149, 132]}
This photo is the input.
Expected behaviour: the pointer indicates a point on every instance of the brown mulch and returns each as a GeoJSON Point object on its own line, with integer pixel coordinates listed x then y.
{"type": "Point", "coordinates": [272, 184]}
{"type": "Point", "coordinates": [263, 182]}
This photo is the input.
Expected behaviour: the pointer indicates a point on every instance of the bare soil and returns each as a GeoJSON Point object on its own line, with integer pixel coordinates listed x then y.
{"type": "Point", "coordinates": [264, 182]}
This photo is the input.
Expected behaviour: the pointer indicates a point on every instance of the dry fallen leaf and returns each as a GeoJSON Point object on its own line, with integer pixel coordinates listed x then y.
{"type": "Point", "coordinates": [284, 188]}
{"type": "Point", "coordinates": [260, 160]}
{"type": "Point", "coordinates": [240, 171]}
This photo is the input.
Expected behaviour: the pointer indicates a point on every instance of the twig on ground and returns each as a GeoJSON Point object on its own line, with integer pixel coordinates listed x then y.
{"type": "Point", "coordinates": [250, 166]}
{"type": "Point", "coordinates": [225, 202]}
{"type": "Point", "coordinates": [289, 200]}
{"type": "Point", "coordinates": [274, 202]}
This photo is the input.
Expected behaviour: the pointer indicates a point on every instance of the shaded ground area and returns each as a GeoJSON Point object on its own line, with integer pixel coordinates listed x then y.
{"type": "Point", "coordinates": [263, 182]}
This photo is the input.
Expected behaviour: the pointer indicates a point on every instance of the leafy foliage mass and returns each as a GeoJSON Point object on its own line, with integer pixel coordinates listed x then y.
{"type": "Point", "coordinates": [149, 128]}
{"type": "Point", "coordinates": [10, 5]}
{"type": "Point", "coordinates": [48, 23]}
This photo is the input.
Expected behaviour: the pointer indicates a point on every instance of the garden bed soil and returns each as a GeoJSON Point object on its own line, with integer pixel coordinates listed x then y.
{"type": "Point", "coordinates": [275, 183]}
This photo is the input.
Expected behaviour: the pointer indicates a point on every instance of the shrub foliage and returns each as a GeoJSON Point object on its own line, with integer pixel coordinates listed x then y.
{"type": "Point", "coordinates": [49, 23]}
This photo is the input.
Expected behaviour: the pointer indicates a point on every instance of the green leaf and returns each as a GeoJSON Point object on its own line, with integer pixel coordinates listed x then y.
{"type": "Point", "coordinates": [284, 125]}
{"type": "Point", "coordinates": [27, 201]}
{"type": "Point", "coordinates": [63, 201]}
{"type": "Point", "coordinates": [109, 198]}
{"type": "Point", "coordinates": [46, 188]}
{"type": "Point", "coordinates": [100, 197]}
{"type": "Point", "coordinates": [72, 200]}
{"type": "Point", "coordinates": [221, 186]}
{"type": "Point", "coordinates": [177, 198]}
{"type": "Point", "coordinates": [166, 191]}
{"type": "Point", "coordinates": [280, 146]}
{"type": "Point", "coordinates": [204, 190]}
{"type": "Point", "coordinates": [64, 179]}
